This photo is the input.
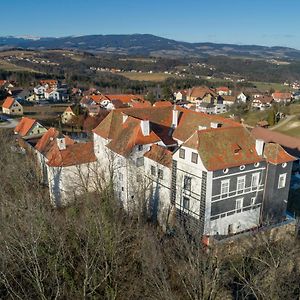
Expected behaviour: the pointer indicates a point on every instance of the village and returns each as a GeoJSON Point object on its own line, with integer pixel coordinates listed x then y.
{"type": "Point", "coordinates": [188, 158]}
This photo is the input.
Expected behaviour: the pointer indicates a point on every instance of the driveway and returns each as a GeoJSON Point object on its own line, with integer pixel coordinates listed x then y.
{"type": "Point", "coordinates": [9, 122]}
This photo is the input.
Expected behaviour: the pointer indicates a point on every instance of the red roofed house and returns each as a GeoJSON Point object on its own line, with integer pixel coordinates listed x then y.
{"type": "Point", "coordinates": [282, 97]}
{"type": "Point", "coordinates": [223, 91]}
{"type": "Point", "coordinates": [28, 127]}
{"type": "Point", "coordinates": [262, 102]}
{"type": "Point", "coordinates": [209, 170]}
{"type": "Point", "coordinates": [68, 168]}
{"type": "Point", "coordinates": [12, 107]}
{"type": "Point", "coordinates": [67, 115]}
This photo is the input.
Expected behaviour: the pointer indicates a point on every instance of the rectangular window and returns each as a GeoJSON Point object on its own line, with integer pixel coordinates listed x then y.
{"type": "Point", "coordinates": [140, 147]}
{"type": "Point", "coordinates": [153, 171]}
{"type": "Point", "coordinates": [182, 153]}
{"type": "Point", "coordinates": [253, 201]}
{"type": "Point", "coordinates": [186, 203]}
{"type": "Point", "coordinates": [225, 187]}
{"type": "Point", "coordinates": [281, 181]}
{"type": "Point", "coordinates": [255, 180]}
{"type": "Point", "coordinates": [140, 161]}
{"type": "Point", "coordinates": [239, 204]}
{"type": "Point", "coordinates": [187, 183]}
{"type": "Point", "coordinates": [241, 184]}
{"type": "Point", "coordinates": [194, 158]}
{"type": "Point", "coordinates": [160, 174]}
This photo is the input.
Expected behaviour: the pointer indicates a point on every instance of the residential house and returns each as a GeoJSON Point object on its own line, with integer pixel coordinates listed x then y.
{"type": "Point", "coordinates": [223, 91]}
{"type": "Point", "coordinates": [67, 115]}
{"type": "Point", "coordinates": [228, 100]}
{"type": "Point", "coordinates": [262, 102]}
{"type": "Point", "coordinates": [181, 95]}
{"type": "Point", "coordinates": [201, 94]}
{"type": "Point", "coordinates": [28, 127]}
{"type": "Point", "coordinates": [12, 107]}
{"type": "Point", "coordinates": [65, 166]}
{"type": "Point", "coordinates": [241, 97]}
{"type": "Point", "coordinates": [39, 92]}
{"type": "Point", "coordinates": [49, 83]}
{"type": "Point", "coordinates": [51, 94]}
{"type": "Point", "coordinates": [281, 97]}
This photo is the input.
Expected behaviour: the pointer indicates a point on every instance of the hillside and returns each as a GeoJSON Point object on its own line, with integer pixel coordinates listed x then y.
{"type": "Point", "coordinates": [147, 44]}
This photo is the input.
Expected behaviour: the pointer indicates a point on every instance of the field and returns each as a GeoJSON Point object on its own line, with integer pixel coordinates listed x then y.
{"type": "Point", "coordinates": [266, 86]}
{"type": "Point", "coordinates": [146, 76]}
{"type": "Point", "coordinates": [4, 65]}
{"type": "Point", "coordinates": [44, 112]}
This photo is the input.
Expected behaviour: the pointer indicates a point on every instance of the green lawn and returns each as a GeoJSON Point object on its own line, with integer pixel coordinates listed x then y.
{"type": "Point", "coordinates": [266, 86]}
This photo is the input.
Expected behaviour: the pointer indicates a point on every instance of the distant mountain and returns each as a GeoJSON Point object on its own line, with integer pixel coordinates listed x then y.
{"type": "Point", "coordinates": [147, 44]}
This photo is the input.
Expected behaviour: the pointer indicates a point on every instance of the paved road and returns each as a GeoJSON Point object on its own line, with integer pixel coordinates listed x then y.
{"type": "Point", "coordinates": [283, 122]}
{"type": "Point", "coordinates": [9, 123]}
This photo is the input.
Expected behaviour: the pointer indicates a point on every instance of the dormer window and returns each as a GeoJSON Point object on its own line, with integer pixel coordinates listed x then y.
{"type": "Point", "coordinates": [236, 149]}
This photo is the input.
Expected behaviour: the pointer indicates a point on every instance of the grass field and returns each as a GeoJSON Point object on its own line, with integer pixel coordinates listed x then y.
{"type": "Point", "coordinates": [290, 128]}
{"type": "Point", "coordinates": [266, 86]}
{"type": "Point", "coordinates": [44, 112]}
{"type": "Point", "coordinates": [4, 65]}
{"type": "Point", "coordinates": [146, 76]}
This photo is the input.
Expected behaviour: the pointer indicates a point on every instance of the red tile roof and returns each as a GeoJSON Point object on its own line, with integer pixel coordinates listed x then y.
{"type": "Point", "coordinates": [223, 148]}
{"type": "Point", "coordinates": [222, 88]}
{"type": "Point", "coordinates": [275, 154]}
{"type": "Point", "coordinates": [69, 109]}
{"type": "Point", "coordinates": [129, 135]}
{"type": "Point", "coordinates": [281, 96]}
{"type": "Point", "coordinates": [24, 126]}
{"type": "Point", "coordinates": [271, 136]}
{"type": "Point", "coordinates": [160, 155]}
{"type": "Point", "coordinates": [125, 98]}
{"type": "Point", "coordinates": [162, 104]}
{"type": "Point", "coordinates": [201, 92]}
{"type": "Point", "coordinates": [9, 101]}
{"type": "Point", "coordinates": [48, 140]}
{"type": "Point", "coordinates": [2, 82]}
{"type": "Point", "coordinates": [74, 154]}
{"type": "Point", "coordinates": [48, 81]}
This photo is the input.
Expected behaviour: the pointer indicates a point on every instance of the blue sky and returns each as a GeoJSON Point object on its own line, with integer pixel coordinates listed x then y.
{"type": "Point", "coordinates": [263, 22]}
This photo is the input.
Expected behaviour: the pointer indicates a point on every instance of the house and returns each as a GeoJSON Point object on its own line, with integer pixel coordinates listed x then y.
{"type": "Point", "coordinates": [201, 94]}
{"type": "Point", "coordinates": [280, 97]}
{"type": "Point", "coordinates": [228, 100]}
{"type": "Point", "coordinates": [28, 127]}
{"type": "Point", "coordinates": [207, 108]}
{"type": "Point", "coordinates": [12, 107]}
{"type": "Point", "coordinates": [262, 102]}
{"type": "Point", "coordinates": [51, 94]}
{"type": "Point", "coordinates": [180, 95]}
{"type": "Point", "coordinates": [223, 91]}
{"type": "Point", "coordinates": [39, 92]}
{"type": "Point", "coordinates": [49, 83]}
{"type": "Point", "coordinates": [67, 115]}
{"type": "Point", "coordinates": [217, 176]}
{"type": "Point", "coordinates": [65, 166]}
{"type": "Point", "coordinates": [241, 97]}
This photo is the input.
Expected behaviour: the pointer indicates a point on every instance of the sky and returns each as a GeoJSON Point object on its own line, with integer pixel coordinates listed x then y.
{"type": "Point", "coordinates": [246, 22]}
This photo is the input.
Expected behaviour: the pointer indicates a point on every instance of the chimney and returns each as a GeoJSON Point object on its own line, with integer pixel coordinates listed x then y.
{"type": "Point", "coordinates": [259, 147]}
{"type": "Point", "coordinates": [145, 126]}
{"type": "Point", "coordinates": [175, 114]}
{"type": "Point", "coordinates": [61, 143]}
{"type": "Point", "coordinates": [124, 118]}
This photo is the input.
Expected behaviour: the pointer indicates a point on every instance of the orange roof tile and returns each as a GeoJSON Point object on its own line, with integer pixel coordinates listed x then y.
{"type": "Point", "coordinates": [9, 101]}
{"type": "Point", "coordinates": [160, 154]}
{"type": "Point", "coordinates": [129, 135]}
{"type": "Point", "coordinates": [271, 136]}
{"type": "Point", "coordinates": [201, 92]}
{"type": "Point", "coordinates": [74, 154]}
{"type": "Point", "coordinates": [24, 126]}
{"type": "Point", "coordinates": [48, 140]}
{"type": "Point", "coordinates": [224, 147]}
{"type": "Point", "coordinates": [162, 104]}
{"type": "Point", "coordinates": [275, 154]}
{"type": "Point", "coordinates": [69, 109]}
{"type": "Point", "coordinates": [282, 96]}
